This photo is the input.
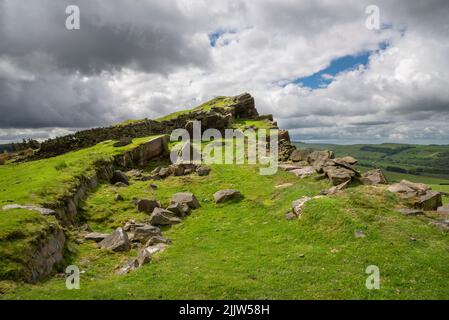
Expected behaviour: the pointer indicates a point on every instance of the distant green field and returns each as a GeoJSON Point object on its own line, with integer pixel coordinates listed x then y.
{"type": "Point", "coordinates": [429, 164]}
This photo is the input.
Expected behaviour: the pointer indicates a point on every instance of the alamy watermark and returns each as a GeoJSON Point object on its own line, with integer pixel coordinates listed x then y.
{"type": "Point", "coordinates": [72, 280]}
{"type": "Point", "coordinates": [235, 147]}
{"type": "Point", "coordinates": [73, 22]}
{"type": "Point", "coordinates": [372, 22]}
{"type": "Point", "coordinates": [373, 280]}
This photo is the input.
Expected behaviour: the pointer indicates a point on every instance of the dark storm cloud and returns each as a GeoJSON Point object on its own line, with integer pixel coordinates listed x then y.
{"type": "Point", "coordinates": [141, 35]}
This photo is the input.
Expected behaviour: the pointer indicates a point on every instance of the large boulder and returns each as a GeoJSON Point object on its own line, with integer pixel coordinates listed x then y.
{"type": "Point", "coordinates": [227, 195]}
{"type": "Point", "coordinates": [408, 190]}
{"type": "Point", "coordinates": [346, 160]}
{"type": "Point", "coordinates": [143, 234]}
{"type": "Point", "coordinates": [374, 177]}
{"type": "Point", "coordinates": [338, 175]}
{"type": "Point", "coordinates": [187, 198]}
{"type": "Point", "coordinates": [147, 206]}
{"type": "Point", "coordinates": [300, 155]}
{"type": "Point", "coordinates": [117, 241]}
{"type": "Point", "coordinates": [119, 177]}
{"type": "Point", "coordinates": [430, 201]}
{"type": "Point", "coordinates": [162, 217]}
{"type": "Point", "coordinates": [304, 172]}
{"type": "Point", "coordinates": [318, 159]}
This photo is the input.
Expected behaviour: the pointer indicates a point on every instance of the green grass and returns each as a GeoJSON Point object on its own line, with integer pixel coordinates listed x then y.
{"type": "Point", "coordinates": [258, 124]}
{"type": "Point", "coordinates": [20, 230]}
{"type": "Point", "coordinates": [247, 250]}
{"type": "Point", "coordinates": [44, 181]}
{"type": "Point", "coordinates": [39, 183]}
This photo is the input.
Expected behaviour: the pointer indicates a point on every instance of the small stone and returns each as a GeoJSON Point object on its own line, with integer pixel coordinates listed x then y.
{"type": "Point", "coordinates": [203, 171]}
{"type": "Point", "coordinates": [301, 255]}
{"type": "Point", "coordinates": [119, 176]}
{"type": "Point", "coordinates": [118, 197]}
{"type": "Point", "coordinates": [227, 195]}
{"type": "Point", "coordinates": [147, 206]}
{"type": "Point", "coordinates": [359, 234]}
{"type": "Point", "coordinates": [153, 186]}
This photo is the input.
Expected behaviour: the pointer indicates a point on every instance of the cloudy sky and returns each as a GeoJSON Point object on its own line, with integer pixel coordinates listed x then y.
{"type": "Point", "coordinates": [313, 64]}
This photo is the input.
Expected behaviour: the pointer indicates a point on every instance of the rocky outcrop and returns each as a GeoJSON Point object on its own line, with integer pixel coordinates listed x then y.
{"type": "Point", "coordinates": [46, 255]}
{"type": "Point", "coordinates": [418, 195]}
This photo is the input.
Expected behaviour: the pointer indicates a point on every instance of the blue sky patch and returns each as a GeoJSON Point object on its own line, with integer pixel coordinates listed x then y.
{"type": "Point", "coordinates": [324, 77]}
{"type": "Point", "coordinates": [215, 35]}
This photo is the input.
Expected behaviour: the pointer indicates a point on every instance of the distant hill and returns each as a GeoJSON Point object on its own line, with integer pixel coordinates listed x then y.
{"type": "Point", "coordinates": [423, 160]}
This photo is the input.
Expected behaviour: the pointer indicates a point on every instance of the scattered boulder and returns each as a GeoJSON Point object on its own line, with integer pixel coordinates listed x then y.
{"type": "Point", "coordinates": [300, 155]}
{"type": "Point", "coordinates": [298, 205]}
{"type": "Point", "coordinates": [203, 170]}
{"type": "Point", "coordinates": [227, 195]}
{"type": "Point", "coordinates": [117, 241]}
{"type": "Point", "coordinates": [119, 176]}
{"type": "Point", "coordinates": [374, 177]}
{"type": "Point", "coordinates": [144, 233]}
{"type": "Point", "coordinates": [130, 266]}
{"type": "Point", "coordinates": [409, 189]}
{"type": "Point", "coordinates": [134, 173]}
{"type": "Point", "coordinates": [336, 189]}
{"type": "Point", "coordinates": [96, 236]}
{"type": "Point", "coordinates": [318, 159]}
{"type": "Point", "coordinates": [147, 206]}
{"type": "Point", "coordinates": [162, 217]}
{"type": "Point", "coordinates": [304, 172]}
{"type": "Point", "coordinates": [165, 172]}
{"type": "Point", "coordinates": [339, 175]}
{"type": "Point", "coordinates": [131, 225]}
{"type": "Point", "coordinates": [147, 253]}
{"type": "Point", "coordinates": [430, 201]}
{"type": "Point", "coordinates": [118, 197]}
{"type": "Point", "coordinates": [346, 160]}
{"type": "Point", "coordinates": [179, 209]}
{"type": "Point", "coordinates": [186, 198]}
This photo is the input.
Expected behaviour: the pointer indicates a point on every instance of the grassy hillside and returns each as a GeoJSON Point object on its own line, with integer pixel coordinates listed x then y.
{"type": "Point", "coordinates": [429, 161]}
{"type": "Point", "coordinates": [248, 250]}
{"type": "Point", "coordinates": [37, 183]}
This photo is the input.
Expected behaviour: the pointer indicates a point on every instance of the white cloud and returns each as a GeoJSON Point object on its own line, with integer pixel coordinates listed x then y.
{"type": "Point", "coordinates": [401, 95]}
